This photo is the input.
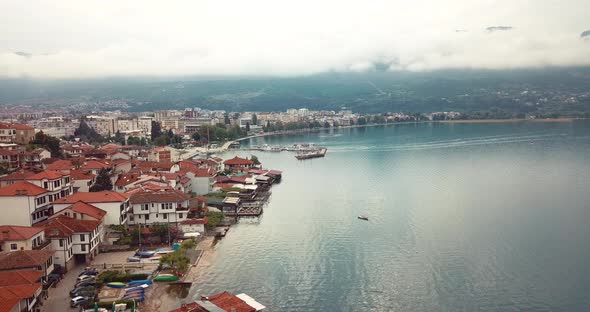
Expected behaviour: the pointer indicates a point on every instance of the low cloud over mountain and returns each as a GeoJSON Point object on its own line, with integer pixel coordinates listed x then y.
{"type": "Point", "coordinates": [93, 38]}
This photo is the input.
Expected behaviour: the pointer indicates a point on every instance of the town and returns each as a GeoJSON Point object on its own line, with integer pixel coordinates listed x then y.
{"type": "Point", "coordinates": [92, 208]}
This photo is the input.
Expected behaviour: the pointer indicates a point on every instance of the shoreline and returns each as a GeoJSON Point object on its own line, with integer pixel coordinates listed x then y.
{"type": "Point", "coordinates": [288, 132]}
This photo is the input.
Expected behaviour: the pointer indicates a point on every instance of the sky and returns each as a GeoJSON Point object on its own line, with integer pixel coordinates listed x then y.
{"type": "Point", "coordinates": [103, 38]}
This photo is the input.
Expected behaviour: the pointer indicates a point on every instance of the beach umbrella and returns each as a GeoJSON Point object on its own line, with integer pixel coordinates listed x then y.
{"type": "Point", "coordinates": [96, 307]}
{"type": "Point", "coordinates": [133, 306]}
{"type": "Point", "coordinates": [113, 306]}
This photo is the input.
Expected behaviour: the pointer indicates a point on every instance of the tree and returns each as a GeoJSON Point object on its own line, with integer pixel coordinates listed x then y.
{"type": "Point", "coordinates": [162, 140]}
{"type": "Point", "coordinates": [48, 142]}
{"type": "Point", "coordinates": [87, 133]}
{"type": "Point", "coordinates": [119, 138]}
{"type": "Point", "coordinates": [247, 127]}
{"type": "Point", "coordinates": [326, 124]}
{"type": "Point", "coordinates": [103, 181]}
{"type": "Point", "coordinates": [255, 160]}
{"type": "Point", "coordinates": [214, 217]}
{"type": "Point", "coordinates": [156, 129]}
{"type": "Point", "coordinates": [254, 119]}
{"type": "Point", "coordinates": [196, 136]}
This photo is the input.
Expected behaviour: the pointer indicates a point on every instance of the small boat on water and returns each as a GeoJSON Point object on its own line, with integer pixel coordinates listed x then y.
{"type": "Point", "coordinates": [363, 217]}
{"type": "Point", "coordinates": [311, 154]}
{"type": "Point", "coordinates": [166, 278]}
{"type": "Point", "coordinates": [116, 285]}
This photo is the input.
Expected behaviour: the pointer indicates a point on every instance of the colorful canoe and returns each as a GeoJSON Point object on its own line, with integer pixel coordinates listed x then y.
{"type": "Point", "coordinates": [166, 278]}
{"type": "Point", "coordinates": [116, 285]}
{"type": "Point", "coordinates": [139, 282]}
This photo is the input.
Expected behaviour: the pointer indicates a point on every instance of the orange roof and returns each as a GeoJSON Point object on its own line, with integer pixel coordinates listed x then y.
{"type": "Point", "coordinates": [61, 165]}
{"type": "Point", "coordinates": [4, 125]}
{"type": "Point", "coordinates": [22, 188]}
{"type": "Point", "coordinates": [93, 197]}
{"type": "Point", "coordinates": [87, 209]}
{"type": "Point", "coordinates": [128, 178]}
{"type": "Point", "coordinates": [93, 164]}
{"type": "Point", "coordinates": [22, 291]}
{"type": "Point", "coordinates": [230, 302]}
{"type": "Point", "coordinates": [63, 226]}
{"type": "Point", "coordinates": [19, 277]}
{"type": "Point", "coordinates": [47, 174]}
{"type": "Point", "coordinates": [81, 175]}
{"type": "Point", "coordinates": [17, 232]}
{"type": "Point", "coordinates": [23, 259]}
{"type": "Point", "coordinates": [238, 161]}
{"type": "Point", "coordinates": [20, 175]}
{"type": "Point", "coordinates": [22, 127]}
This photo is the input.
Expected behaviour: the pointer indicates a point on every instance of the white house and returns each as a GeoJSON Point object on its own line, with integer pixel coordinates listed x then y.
{"type": "Point", "coordinates": [158, 207]}
{"type": "Point", "coordinates": [202, 180]}
{"type": "Point", "coordinates": [76, 237]}
{"type": "Point", "coordinates": [13, 238]}
{"type": "Point", "coordinates": [115, 204]}
{"type": "Point", "coordinates": [24, 203]}
{"type": "Point", "coordinates": [82, 180]}
{"type": "Point", "coordinates": [193, 225]}
{"type": "Point", "coordinates": [57, 184]}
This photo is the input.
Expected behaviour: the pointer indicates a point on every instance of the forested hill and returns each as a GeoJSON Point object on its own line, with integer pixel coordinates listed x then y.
{"type": "Point", "coordinates": [565, 90]}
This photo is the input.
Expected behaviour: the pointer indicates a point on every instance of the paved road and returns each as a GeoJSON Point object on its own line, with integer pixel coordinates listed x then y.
{"type": "Point", "coordinates": [59, 297]}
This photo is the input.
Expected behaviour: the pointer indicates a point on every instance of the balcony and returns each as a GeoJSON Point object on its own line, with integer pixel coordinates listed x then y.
{"type": "Point", "coordinates": [42, 246]}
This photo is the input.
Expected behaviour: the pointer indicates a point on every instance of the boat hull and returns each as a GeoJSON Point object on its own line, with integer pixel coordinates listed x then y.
{"type": "Point", "coordinates": [116, 285]}
{"type": "Point", "coordinates": [166, 278]}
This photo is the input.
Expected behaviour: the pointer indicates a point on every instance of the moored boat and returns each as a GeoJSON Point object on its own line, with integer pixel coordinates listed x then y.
{"type": "Point", "coordinates": [363, 217]}
{"type": "Point", "coordinates": [139, 282]}
{"type": "Point", "coordinates": [116, 285]}
{"type": "Point", "coordinates": [312, 154]}
{"type": "Point", "coordinates": [166, 278]}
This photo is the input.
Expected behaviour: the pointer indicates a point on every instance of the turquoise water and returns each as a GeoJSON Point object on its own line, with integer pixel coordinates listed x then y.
{"type": "Point", "coordinates": [463, 217]}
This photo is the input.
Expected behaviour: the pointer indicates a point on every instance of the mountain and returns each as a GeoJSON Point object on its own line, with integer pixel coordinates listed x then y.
{"type": "Point", "coordinates": [534, 90]}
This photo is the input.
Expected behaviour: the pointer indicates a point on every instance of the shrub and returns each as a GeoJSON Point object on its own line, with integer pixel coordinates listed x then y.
{"type": "Point", "coordinates": [138, 276]}
{"type": "Point", "coordinates": [112, 276]}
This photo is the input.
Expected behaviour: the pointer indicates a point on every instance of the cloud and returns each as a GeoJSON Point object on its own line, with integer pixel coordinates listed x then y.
{"type": "Point", "coordinates": [81, 39]}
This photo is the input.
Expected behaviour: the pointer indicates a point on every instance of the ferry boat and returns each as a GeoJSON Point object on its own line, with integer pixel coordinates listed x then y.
{"type": "Point", "coordinates": [311, 154]}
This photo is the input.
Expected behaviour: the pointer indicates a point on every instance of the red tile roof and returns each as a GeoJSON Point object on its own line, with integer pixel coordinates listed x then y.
{"type": "Point", "coordinates": [158, 197]}
{"type": "Point", "coordinates": [61, 165]}
{"type": "Point", "coordinates": [22, 127]}
{"type": "Point", "coordinates": [237, 161]}
{"type": "Point", "coordinates": [195, 221]}
{"type": "Point", "coordinates": [19, 277]}
{"type": "Point", "coordinates": [20, 175]}
{"type": "Point", "coordinates": [17, 232]}
{"type": "Point", "coordinates": [93, 164]}
{"type": "Point", "coordinates": [4, 125]}
{"type": "Point", "coordinates": [63, 226]}
{"type": "Point", "coordinates": [126, 179]}
{"type": "Point", "coordinates": [47, 174]}
{"type": "Point", "coordinates": [230, 302]}
{"type": "Point", "coordinates": [78, 175]}
{"type": "Point", "coordinates": [8, 152]}
{"type": "Point", "coordinates": [22, 188]}
{"type": "Point", "coordinates": [110, 146]}
{"type": "Point", "coordinates": [23, 259]}
{"type": "Point", "coordinates": [93, 197]}
{"type": "Point", "coordinates": [20, 291]}
{"type": "Point", "coordinates": [88, 209]}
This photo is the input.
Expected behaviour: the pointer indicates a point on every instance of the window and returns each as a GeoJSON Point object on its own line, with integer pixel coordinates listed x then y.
{"type": "Point", "coordinates": [61, 243]}
{"type": "Point", "coordinates": [83, 247]}
{"type": "Point", "coordinates": [13, 247]}
{"type": "Point", "coordinates": [45, 185]}
{"type": "Point", "coordinates": [180, 216]}
{"type": "Point", "coordinates": [166, 205]}
{"type": "Point", "coordinates": [82, 237]}
{"type": "Point", "coordinates": [144, 207]}
{"type": "Point", "coordinates": [147, 217]}
{"type": "Point", "coordinates": [165, 216]}
{"type": "Point", "coordinates": [156, 215]}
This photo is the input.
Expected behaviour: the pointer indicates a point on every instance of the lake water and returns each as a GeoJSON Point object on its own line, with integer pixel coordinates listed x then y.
{"type": "Point", "coordinates": [463, 217]}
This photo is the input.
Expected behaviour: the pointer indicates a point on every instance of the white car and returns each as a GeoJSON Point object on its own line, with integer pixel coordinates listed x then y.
{"type": "Point", "coordinates": [76, 301]}
{"type": "Point", "coordinates": [85, 277]}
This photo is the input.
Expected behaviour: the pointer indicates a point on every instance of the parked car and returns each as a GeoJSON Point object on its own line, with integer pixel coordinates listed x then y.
{"type": "Point", "coordinates": [90, 282]}
{"type": "Point", "coordinates": [78, 301]}
{"type": "Point", "coordinates": [76, 291]}
{"type": "Point", "coordinates": [89, 271]}
{"type": "Point", "coordinates": [86, 277]}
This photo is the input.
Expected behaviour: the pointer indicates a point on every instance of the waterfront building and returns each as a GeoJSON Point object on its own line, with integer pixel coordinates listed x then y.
{"type": "Point", "coordinates": [149, 208]}
{"type": "Point", "coordinates": [223, 302]}
{"type": "Point", "coordinates": [238, 164]}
